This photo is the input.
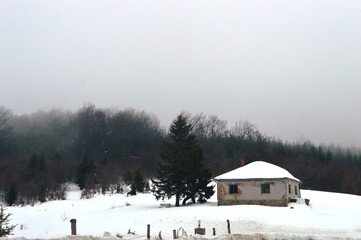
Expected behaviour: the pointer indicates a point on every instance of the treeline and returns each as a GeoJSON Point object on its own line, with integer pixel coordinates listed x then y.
{"type": "Point", "coordinates": [327, 168]}
{"type": "Point", "coordinates": [91, 147]}
{"type": "Point", "coordinates": [103, 148]}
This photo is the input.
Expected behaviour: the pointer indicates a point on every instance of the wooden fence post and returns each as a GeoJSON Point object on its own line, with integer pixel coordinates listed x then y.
{"type": "Point", "coordinates": [214, 231]}
{"type": "Point", "coordinates": [174, 234]}
{"type": "Point", "coordinates": [228, 227]}
{"type": "Point", "coordinates": [73, 226]}
{"type": "Point", "coordinates": [148, 231]}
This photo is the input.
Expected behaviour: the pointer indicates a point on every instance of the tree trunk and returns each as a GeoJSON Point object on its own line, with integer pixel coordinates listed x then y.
{"type": "Point", "coordinates": [177, 200]}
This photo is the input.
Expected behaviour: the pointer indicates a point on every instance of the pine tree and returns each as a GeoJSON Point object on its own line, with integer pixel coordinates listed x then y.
{"type": "Point", "coordinates": [5, 228]}
{"type": "Point", "coordinates": [198, 178]}
{"type": "Point", "coordinates": [136, 181]}
{"type": "Point", "coordinates": [128, 177]}
{"type": "Point", "coordinates": [42, 194]}
{"type": "Point", "coordinates": [139, 181]}
{"type": "Point", "coordinates": [181, 172]}
{"type": "Point", "coordinates": [85, 174]}
{"type": "Point", "coordinates": [32, 166]}
{"type": "Point", "coordinates": [11, 195]}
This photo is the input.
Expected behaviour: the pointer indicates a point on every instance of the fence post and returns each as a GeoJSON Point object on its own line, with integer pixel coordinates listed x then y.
{"type": "Point", "coordinates": [214, 231]}
{"type": "Point", "coordinates": [228, 227]}
{"type": "Point", "coordinates": [174, 234]}
{"type": "Point", "coordinates": [148, 231]}
{"type": "Point", "coordinates": [73, 226]}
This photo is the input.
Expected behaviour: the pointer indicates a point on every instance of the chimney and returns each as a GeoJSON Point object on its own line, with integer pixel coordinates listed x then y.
{"type": "Point", "coordinates": [242, 162]}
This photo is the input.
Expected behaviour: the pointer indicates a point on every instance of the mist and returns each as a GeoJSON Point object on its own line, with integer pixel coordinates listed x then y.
{"type": "Point", "coordinates": [291, 68]}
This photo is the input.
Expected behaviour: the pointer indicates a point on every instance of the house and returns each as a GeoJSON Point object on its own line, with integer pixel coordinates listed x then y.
{"type": "Point", "coordinates": [257, 183]}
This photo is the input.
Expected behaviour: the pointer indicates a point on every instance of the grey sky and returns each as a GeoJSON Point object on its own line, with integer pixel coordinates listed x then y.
{"type": "Point", "coordinates": [293, 68]}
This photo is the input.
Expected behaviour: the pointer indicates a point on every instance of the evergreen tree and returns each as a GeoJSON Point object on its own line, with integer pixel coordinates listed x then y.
{"type": "Point", "coordinates": [42, 194]}
{"type": "Point", "coordinates": [11, 195]}
{"type": "Point", "coordinates": [85, 173]}
{"type": "Point", "coordinates": [181, 172]}
{"type": "Point", "coordinates": [5, 228]}
{"type": "Point", "coordinates": [198, 178]}
{"type": "Point", "coordinates": [42, 166]}
{"type": "Point", "coordinates": [32, 166]}
{"type": "Point", "coordinates": [128, 177]}
{"type": "Point", "coordinates": [137, 183]}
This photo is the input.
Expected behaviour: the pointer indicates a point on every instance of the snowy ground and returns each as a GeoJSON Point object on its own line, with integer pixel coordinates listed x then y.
{"type": "Point", "coordinates": [330, 215]}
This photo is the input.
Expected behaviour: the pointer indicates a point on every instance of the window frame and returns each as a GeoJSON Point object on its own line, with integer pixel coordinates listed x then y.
{"type": "Point", "coordinates": [265, 188]}
{"type": "Point", "coordinates": [233, 188]}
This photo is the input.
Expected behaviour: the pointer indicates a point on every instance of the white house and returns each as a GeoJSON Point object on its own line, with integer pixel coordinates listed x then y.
{"type": "Point", "coordinates": [258, 183]}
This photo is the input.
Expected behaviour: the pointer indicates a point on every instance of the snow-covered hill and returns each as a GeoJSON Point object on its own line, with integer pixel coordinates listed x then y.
{"type": "Point", "coordinates": [330, 215]}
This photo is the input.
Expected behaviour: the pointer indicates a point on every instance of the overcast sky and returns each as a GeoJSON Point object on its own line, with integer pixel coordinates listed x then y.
{"type": "Point", "coordinates": [293, 68]}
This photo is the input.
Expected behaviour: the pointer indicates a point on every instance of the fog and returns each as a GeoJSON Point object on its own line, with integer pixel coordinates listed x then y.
{"type": "Point", "coordinates": [290, 67]}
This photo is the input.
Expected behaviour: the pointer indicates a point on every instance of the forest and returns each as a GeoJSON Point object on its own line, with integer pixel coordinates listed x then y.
{"type": "Point", "coordinates": [101, 149]}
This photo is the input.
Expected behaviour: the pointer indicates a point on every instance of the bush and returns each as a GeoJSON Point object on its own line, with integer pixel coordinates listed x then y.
{"type": "Point", "coordinates": [59, 193]}
{"type": "Point", "coordinates": [87, 193]}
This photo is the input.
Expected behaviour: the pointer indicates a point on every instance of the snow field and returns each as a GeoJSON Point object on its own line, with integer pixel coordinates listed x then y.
{"type": "Point", "coordinates": [329, 216]}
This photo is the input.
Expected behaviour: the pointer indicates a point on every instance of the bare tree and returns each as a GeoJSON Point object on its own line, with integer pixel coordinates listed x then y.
{"type": "Point", "coordinates": [209, 127]}
{"type": "Point", "coordinates": [245, 130]}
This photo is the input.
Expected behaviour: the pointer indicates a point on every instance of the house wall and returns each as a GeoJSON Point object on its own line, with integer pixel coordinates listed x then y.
{"type": "Point", "coordinates": [293, 194]}
{"type": "Point", "coordinates": [249, 192]}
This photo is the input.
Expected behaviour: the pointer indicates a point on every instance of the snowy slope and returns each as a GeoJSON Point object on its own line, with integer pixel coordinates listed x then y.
{"type": "Point", "coordinates": [329, 215]}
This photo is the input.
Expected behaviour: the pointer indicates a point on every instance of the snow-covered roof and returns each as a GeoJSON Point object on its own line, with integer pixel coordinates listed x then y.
{"type": "Point", "coordinates": [257, 170]}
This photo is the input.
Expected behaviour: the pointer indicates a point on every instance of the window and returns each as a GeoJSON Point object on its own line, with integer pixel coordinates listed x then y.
{"type": "Point", "coordinates": [296, 190]}
{"type": "Point", "coordinates": [289, 188]}
{"type": "Point", "coordinates": [265, 188]}
{"type": "Point", "coordinates": [233, 189]}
